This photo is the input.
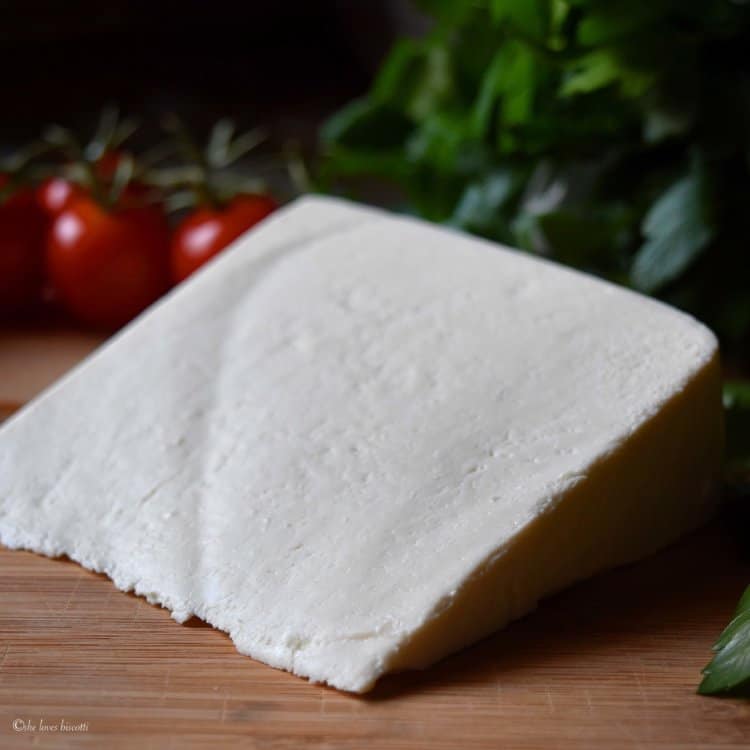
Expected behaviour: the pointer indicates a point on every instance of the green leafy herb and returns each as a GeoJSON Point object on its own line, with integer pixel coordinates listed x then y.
{"type": "Point", "coordinates": [729, 670]}
{"type": "Point", "coordinates": [677, 229]}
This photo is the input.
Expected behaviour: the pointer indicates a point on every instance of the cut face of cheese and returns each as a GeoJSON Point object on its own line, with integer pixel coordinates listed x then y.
{"type": "Point", "coordinates": [357, 443]}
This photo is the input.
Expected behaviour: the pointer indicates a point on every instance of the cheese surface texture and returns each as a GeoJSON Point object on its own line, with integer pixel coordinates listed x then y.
{"type": "Point", "coordinates": [357, 442]}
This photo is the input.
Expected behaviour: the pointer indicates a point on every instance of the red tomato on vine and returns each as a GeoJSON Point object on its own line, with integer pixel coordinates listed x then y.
{"type": "Point", "coordinates": [108, 265]}
{"type": "Point", "coordinates": [207, 231]}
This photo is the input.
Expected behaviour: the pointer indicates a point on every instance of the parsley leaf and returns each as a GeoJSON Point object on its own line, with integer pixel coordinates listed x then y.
{"type": "Point", "coordinates": [677, 229]}
{"type": "Point", "coordinates": [729, 670]}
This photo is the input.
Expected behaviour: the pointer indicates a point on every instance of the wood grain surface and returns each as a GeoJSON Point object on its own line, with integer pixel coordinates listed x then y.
{"type": "Point", "coordinates": [32, 358]}
{"type": "Point", "coordinates": [610, 663]}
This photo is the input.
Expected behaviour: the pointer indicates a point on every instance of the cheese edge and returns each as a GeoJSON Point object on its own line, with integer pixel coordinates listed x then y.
{"type": "Point", "coordinates": [667, 478]}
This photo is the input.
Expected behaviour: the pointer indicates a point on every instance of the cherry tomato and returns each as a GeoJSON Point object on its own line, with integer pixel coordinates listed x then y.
{"type": "Point", "coordinates": [22, 230]}
{"type": "Point", "coordinates": [207, 231]}
{"type": "Point", "coordinates": [108, 266]}
{"type": "Point", "coordinates": [56, 193]}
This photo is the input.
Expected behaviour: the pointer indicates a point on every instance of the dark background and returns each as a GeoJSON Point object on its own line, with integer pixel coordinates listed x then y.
{"type": "Point", "coordinates": [284, 64]}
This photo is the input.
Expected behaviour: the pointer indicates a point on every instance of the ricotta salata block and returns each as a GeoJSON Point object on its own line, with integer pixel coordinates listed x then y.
{"type": "Point", "coordinates": [357, 443]}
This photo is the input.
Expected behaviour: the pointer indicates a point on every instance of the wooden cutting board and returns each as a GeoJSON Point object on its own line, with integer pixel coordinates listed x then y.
{"type": "Point", "coordinates": [610, 663]}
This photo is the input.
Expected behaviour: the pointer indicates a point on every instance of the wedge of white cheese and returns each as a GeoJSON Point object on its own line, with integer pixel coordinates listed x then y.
{"type": "Point", "coordinates": [358, 443]}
